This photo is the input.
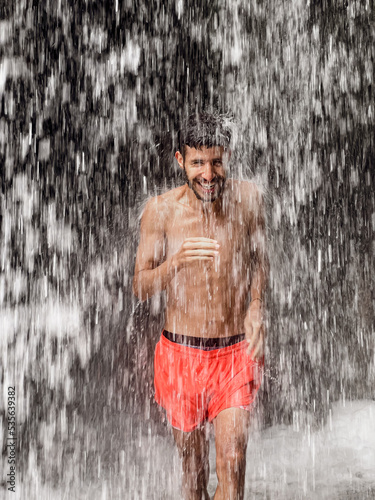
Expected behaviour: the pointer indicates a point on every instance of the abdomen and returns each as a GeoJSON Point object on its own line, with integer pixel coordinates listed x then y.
{"type": "Point", "coordinates": [205, 304]}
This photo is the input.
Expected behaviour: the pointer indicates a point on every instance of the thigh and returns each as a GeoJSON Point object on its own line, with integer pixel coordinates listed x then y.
{"type": "Point", "coordinates": [236, 384]}
{"type": "Point", "coordinates": [231, 431]}
{"type": "Point", "coordinates": [178, 386]}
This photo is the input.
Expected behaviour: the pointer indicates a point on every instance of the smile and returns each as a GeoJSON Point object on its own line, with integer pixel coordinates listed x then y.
{"type": "Point", "coordinates": [208, 187]}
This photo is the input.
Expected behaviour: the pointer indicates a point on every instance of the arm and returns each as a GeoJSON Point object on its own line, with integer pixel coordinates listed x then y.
{"type": "Point", "coordinates": [152, 273]}
{"type": "Point", "coordinates": [254, 326]}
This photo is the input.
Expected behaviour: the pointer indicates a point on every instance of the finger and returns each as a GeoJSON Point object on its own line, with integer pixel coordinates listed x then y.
{"type": "Point", "coordinates": [197, 253]}
{"type": "Point", "coordinates": [250, 339]}
{"type": "Point", "coordinates": [201, 238]}
{"type": "Point", "coordinates": [259, 349]}
{"type": "Point", "coordinates": [253, 339]}
{"type": "Point", "coordinates": [251, 345]}
{"type": "Point", "coordinates": [200, 244]}
{"type": "Point", "coordinates": [200, 257]}
{"type": "Point", "coordinates": [256, 344]}
{"type": "Point", "coordinates": [256, 349]}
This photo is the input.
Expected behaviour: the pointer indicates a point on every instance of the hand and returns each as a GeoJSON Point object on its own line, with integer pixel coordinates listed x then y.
{"type": "Point", "coordinates": [254, 329]}
{"type": "Point", "coordinates": [196, 249]}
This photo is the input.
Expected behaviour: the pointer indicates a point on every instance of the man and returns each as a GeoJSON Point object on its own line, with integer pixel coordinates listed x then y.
{"type": "Point", "coordinates": [204, 244]}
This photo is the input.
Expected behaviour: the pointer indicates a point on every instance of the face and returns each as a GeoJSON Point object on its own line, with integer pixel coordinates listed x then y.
{"type": "Point", "coordinates": [205, 171]}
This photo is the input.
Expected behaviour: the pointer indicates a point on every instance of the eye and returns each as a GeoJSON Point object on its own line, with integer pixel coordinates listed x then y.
{"type": "Point", "coordinates": [218, 163]}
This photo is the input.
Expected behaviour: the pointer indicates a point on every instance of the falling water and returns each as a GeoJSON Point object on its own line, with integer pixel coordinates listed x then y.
{"type": "Point", "coordinates": [92, 94]}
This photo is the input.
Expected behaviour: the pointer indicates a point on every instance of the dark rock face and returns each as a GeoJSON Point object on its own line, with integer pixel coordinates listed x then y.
{"type": "Point", "coordinates": [92, 95]}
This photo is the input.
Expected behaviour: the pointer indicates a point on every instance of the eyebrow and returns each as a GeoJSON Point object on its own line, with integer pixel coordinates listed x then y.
{"type": "Point", "coordinates": [201, 160]}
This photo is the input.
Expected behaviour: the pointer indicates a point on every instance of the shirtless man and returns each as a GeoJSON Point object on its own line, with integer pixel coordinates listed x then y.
{"type": "Point", "coordinates": [204, 244]}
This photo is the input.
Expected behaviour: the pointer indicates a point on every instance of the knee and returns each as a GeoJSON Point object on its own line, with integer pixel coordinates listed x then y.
{"type": "Point", "coordinates": [195, 477]}
{"type": "Point", "coordinates": [194, 464]}
{"type": "Point", "coordinates": [230, 461]}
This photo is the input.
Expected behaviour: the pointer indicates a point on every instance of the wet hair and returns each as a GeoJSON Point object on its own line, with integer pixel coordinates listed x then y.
{"type": "Point", "coordinates": [205, 130]}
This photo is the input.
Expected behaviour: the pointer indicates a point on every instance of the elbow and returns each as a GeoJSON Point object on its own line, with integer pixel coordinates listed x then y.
{"type": "Point", "coordinates": [137, 289]}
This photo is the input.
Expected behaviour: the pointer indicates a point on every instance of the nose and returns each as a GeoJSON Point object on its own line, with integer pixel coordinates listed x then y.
{"type": "Point", "coordinates": [209, 172]}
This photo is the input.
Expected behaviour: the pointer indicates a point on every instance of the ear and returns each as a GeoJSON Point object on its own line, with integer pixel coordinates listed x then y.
{"type": "Point", "coordinates": [179, 159]}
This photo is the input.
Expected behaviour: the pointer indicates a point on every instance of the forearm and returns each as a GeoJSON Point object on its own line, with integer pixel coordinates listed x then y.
{"type": "Point", "coordinates": [147, 282]}
{"type": "Point", "coordinates": [254, 320]}
{"type": "Point", "coordinates": [259, 281]}
{"type": "Point", "coordinates": [258, 284]}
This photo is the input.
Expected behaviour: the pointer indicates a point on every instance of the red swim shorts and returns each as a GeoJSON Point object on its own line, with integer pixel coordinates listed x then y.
{"type": "Point", "coordinates": [195, 385]}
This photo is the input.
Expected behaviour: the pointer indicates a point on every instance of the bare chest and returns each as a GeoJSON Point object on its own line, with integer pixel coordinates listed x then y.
{"type": "Point", "coordinates": [232, 234]}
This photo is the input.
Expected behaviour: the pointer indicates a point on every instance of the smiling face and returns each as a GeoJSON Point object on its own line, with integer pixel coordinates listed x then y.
{"type": "Point", "coordinates": [205, 171]}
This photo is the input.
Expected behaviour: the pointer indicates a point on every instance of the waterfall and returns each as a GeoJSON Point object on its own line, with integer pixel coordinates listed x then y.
{"type": "Point", "coordinates": [92, 96]}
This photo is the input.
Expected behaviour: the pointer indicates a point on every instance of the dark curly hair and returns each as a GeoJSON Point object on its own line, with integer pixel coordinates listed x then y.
{"type": "Point", "coordinates": [205, 129]}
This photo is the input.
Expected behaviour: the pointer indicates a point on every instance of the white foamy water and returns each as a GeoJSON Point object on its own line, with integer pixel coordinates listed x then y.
{"type": "Point", "coordinates": [336, 462]}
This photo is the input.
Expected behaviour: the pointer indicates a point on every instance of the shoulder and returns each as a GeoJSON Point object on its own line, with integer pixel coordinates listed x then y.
{"type": "Point", "coordinates": [158, 209]}
{"type": "Point", "coordinates": [248, 197]}
{"type": "Point", "coordinates": [250, 189]}
{"type": "Point", "coordinates": [248, 194]}
{"type": "Point", "coordinates": [165, 201]}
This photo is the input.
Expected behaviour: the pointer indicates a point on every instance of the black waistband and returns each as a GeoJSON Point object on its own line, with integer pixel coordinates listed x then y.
{"type": "Point", "coordinates": [206, 344]}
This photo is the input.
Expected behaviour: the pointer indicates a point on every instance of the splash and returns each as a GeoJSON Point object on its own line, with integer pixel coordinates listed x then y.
{"type": "Point", "coordinates": [92, 96]}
